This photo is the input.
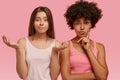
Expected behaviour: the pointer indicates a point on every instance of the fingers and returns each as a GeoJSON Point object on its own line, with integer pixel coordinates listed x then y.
{"type": "Point", "coordinates": [84, 37]}
{"type": "Point", "coordinates": [8, 43]}
{"type": "Point", "coordinates": [64, 44]}
{"type": "Point", "coordinates": [80, 40]}
{"type": "Point", "coordinates": [88, 34]}
{"type": "Point", "coordinates": [5, 40]}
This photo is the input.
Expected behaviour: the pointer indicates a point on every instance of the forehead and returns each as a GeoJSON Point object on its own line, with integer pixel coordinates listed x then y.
{"type": "Point", "coordinates": [41, 14]}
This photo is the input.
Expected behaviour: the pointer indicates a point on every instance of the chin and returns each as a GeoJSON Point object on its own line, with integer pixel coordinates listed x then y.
{"type": "Point", "coordinates": [82, 35]}
{"type": "Point", "coordinates": [42, 31]}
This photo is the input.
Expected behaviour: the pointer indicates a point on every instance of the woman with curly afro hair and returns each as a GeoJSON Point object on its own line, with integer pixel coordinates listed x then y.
{"type": "Point", "coordinates": [83, 59]}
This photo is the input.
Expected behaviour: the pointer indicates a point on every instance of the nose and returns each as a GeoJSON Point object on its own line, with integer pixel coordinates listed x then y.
{"type": "Point", "coordinates": [82, 27]}
{"type": "Point", "coordinates": [41, 22]}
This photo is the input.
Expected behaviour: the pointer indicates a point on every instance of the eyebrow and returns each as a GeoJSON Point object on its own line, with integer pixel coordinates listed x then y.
{"type": "Point", "coordinates": [40, 17]}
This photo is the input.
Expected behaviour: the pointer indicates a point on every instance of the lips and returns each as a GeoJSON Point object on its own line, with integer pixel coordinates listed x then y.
{"type": "Point", "coordinates": [82, 32]}
{"type": "Point", "coordinates": [40, 27]}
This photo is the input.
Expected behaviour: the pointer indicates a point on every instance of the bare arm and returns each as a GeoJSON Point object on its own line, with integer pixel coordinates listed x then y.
{"type": "Point", "coordinates": [54, 65]}
{"type": "Point", "coordinates": [65, 68]}
{"type": "Point", "coordinates": [99, 64]}
{"type": "Point", "coordinates": [21, 65]}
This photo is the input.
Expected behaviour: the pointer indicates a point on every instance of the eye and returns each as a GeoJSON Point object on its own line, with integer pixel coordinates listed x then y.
{"type": "Point", "coordinates": [45, 19]}
{"type": "Point", "coordinates": [77, 23]}
{"type": "Point", "coordinates": [37, 19]}
{"type": "Point", "coordinates": [86, 22]}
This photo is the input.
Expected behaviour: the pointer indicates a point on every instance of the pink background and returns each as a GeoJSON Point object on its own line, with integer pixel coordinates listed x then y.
{"type": "Point", "coordinates": [14, 20]}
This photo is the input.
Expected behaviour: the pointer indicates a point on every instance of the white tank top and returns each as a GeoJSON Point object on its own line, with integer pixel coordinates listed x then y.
{"type": "Point", "coordinates": [38, 61]}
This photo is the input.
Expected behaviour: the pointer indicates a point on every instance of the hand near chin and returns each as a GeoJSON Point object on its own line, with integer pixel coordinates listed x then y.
{"type": "Point", "coordinates": [85, 42]}
{"type": "Point", "coordinates": [8, 43]}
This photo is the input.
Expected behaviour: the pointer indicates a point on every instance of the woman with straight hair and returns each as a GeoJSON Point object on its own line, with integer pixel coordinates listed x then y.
{"type": "Point", "coordinates": [37, 56]}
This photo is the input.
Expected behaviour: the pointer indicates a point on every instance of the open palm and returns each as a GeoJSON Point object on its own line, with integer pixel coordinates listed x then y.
{"type": "Point", "coordinates": [8, 43]}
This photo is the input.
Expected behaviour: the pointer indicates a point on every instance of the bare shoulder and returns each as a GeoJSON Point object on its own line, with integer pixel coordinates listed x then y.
{"type": "Point", "coordinates": [100, 47]}
{"type": "Point", "coordinates": [21, 42]}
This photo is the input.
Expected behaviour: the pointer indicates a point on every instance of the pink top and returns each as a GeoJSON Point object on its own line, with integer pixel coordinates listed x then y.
{"type": "Point", "coordinates": [79, 61]}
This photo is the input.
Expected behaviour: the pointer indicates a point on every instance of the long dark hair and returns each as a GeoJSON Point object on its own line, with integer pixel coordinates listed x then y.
{"type": "Point", "coordinates": [50, 31]}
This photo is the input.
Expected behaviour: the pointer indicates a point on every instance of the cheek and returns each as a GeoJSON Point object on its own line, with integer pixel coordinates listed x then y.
{"type": "Point", "coordinates": [46, 25]}
{"type": "Point", "coordinates": [76, 28]}
{"type": "Point", "coordinates": [36, 23]}
{"type": "Point", "coordinates": [88, 29]}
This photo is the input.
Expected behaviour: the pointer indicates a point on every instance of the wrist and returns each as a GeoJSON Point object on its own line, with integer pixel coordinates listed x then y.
{"type": "Point", "coordinates": [88, 50]}
{"type": "Point", "coordinates": [54, 53]}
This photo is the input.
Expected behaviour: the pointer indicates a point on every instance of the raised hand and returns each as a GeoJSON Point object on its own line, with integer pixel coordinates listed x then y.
{"type": "Point", "coordinates": [85, 42]}
{"type": "Point", "coordinates": [8, 43]}
{"type": "Point", "coordinates": [60, 46]}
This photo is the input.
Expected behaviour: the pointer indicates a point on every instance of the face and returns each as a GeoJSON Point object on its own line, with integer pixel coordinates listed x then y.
{"type": "Point", "coordinates": [82, 27]}
{"type": "Point", "coordinates": [41, 22]}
